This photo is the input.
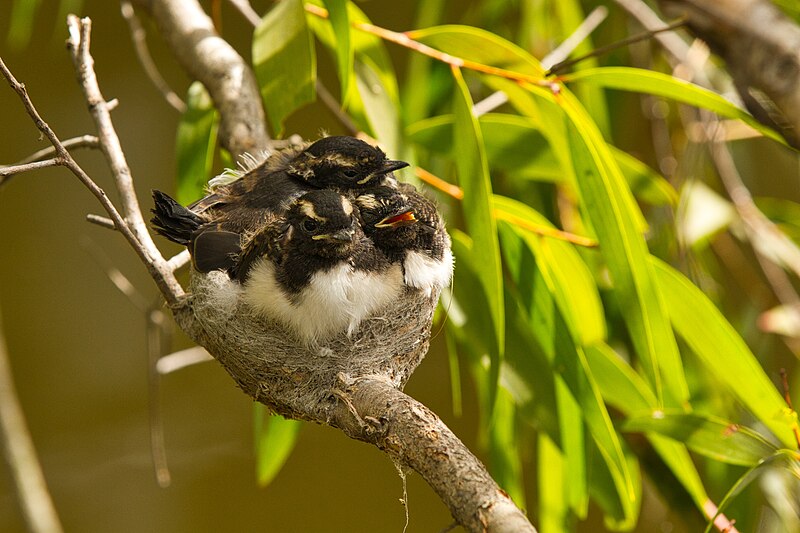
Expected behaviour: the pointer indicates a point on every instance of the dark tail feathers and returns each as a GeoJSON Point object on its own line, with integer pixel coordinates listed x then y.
{"type": "Point", "coordinates": [172, 220]}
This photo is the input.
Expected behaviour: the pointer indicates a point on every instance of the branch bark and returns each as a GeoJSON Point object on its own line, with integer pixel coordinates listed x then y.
{"type": "Point", "coordinates": [206, 57]}
{"type": "Point", "coordinates": [761, 47]}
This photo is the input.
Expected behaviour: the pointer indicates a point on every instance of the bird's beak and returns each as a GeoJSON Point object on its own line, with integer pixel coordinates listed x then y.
{"type": "Point", "coordinates": [395, 221]}
{"type": "Point", "coordinates": [388, 166]}
{"type": "Point", "coordinates": [343, 235]}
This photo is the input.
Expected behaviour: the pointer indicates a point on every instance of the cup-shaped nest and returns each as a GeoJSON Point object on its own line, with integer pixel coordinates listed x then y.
{"type": "Point", "coordinates": [297, 379]}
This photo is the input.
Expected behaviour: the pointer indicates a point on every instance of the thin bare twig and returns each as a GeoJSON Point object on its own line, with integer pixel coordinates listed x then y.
{"type": "Point", "coordinates": [247, 11]}
{"type": "Point", "coordinates": [139, 38]}
{"type": "Point", "coordinates": [179, 260]}
{"type": "Point", "coordinates": [102, 221]}
{"type": "Point", "coordinates": [84, 141]}
{"type": "Point", "coordinates": [562, 51]}
{"type": "Point", "coordinates": [133, 225]}
{"type": "Point", "coordinates": [37, 506]}
{"type": "Point", "coordinates": [157, 342]}
{"type": "Point", "coordinates": [183, 358]}
{"type": "Point", "coordinates": [8, 171]}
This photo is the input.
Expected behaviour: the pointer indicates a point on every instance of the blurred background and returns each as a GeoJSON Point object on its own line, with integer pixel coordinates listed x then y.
{"type": "Point", "coordinates": [78, 345]}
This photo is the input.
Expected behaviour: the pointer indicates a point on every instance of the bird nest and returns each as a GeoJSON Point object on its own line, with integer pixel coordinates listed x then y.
{"type": "Point", "coordinates": [296, 379]}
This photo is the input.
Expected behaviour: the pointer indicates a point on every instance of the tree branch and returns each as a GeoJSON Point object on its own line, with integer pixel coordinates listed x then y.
{"type": "Point", "coordinates": [133, 225]}
{"type": "Point", "coordinates": [205, 56]}
{"type": "Point", "coordinates": [761, 48]}
{"type": "Point", "coordinates": [37, 506]}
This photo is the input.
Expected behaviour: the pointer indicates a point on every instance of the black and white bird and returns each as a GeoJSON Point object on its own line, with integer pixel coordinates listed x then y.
{"type": "Point", "coordinates": [407, 227]}
{"type": "Point", "coordinates": [312, 269]}
{"type": "Point", "coordinates": [341, 163]}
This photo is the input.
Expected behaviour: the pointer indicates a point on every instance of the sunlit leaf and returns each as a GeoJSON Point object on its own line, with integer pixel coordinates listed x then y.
{"type": "Point", "coordinates": [284, 60]}
{"type": "Point", "coordinates": [707, 435]}
{"type": "Point", "coordinates": [623, 388]}
{"type": "Point", "coordinates": [550, 466]}
{"type": "Point", "coordinates": [608, 203]}
{"type": "Point", "coordinates": [705, 213]}
{"type": "Point", "coordinates": [473, 172]}
{"type": "Point", "coordinates": [478, 45]}
{"type": "Point", "coordinates": [504, 451]}
{"type": "Point", "coordinates": [722, 351]}
{"type": "Point", "coordinates": [788, 457]}
{"type": "Point", "coordinates": [275, 440]}
{"type": "Point", "coordinates": [660, 84]}
{"type": "Point", "coordinates": [195, 144]}
{"type": "Point", "coordinates": [567, 275]}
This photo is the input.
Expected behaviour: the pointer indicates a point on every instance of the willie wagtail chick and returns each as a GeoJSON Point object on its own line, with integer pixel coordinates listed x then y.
{"type": "Point", "coordinates": [406, 226]}
{"type": "Point", "coordinates": [316, 271]}
{"type": "Point", "coordinates": [339, 162]}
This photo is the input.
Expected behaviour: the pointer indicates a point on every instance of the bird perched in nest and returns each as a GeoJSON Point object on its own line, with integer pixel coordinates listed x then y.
{"type": "Point", "coordinates": [246, 205]}
{"type": "Point", "coordinates": [407, 227]}
{"type": "Point", "coordinates": [312, 269]}
{"type": "Point", "coordinates": [319, 238]}
{"type": "Point", "coordinates": [338, 162]}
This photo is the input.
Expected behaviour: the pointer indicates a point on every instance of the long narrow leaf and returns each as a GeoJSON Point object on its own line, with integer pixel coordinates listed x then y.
{"type": "Point", "coordinates": [275, 440]}
{"type": "Point", "coordinates": [707, 435]}
{"type": "Point", "coordinates": [660, 84]}
{"type": "Point", "coordinates": [723, 351]}
{"type": "Point", "coordinates": [611, 208]}
{"type": "Point", "coordinates": [470, 158]}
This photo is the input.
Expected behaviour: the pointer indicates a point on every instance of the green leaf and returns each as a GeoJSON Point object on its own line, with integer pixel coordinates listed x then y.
{"type": "Point", "coordinates": [614, 215]}
{"type": "Point", "coordinates": [478, 45]}
{"type": "Point", "coordinates": [285, 62]}
{"type": "Point", "coordinates": [416, 103]}
{"type": "Point", "coordinates": [515, 146]}
{"type": "Point", "coordinates": [195, 144]}
{"type": "Point", "coordinates": [504, 452]}
{"type": "Point", "coordinates": [624, 389]}
{"type": "Point", "coordinates": [21, 20]}
{"type": "Point", "coordinates": [789, 457]}
{"type": "Point", "coordinates": [567, 276]}
{"type": "Point", "coordinates": [473, 172]}
{"type": "Point", "coordinates": [659, 84]}
{"type": "Point", "coordinates": [380, 108]}
{"type": "Point", "coordinates": [723, 351]}
{"type": "Point", "coordinates": [551, 469]}
{"type": "Point", "coordinates": [707, 435]}
{"type": "Point", "coordinates": [340, 21]}
{"type": "Point", "coordinates": [555, 341]}
{"type": "Point", "coordinates": [275, 440]}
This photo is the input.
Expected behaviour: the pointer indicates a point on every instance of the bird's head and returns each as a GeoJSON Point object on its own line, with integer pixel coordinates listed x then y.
{"type": "Point", "coordinates": [390, 218]}
{"type": "Point", "coordinates": [342, 162]}
{"type": "Point", "coordinates": [323, 223]}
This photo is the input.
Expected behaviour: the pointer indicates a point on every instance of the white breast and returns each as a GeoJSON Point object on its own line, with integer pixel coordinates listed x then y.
{"type": "Point", "coordinates": [335, 300]}
{"type": "Point", "coordinates": [426, 273]}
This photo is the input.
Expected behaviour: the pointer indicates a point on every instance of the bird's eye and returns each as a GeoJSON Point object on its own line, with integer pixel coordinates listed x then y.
{"type": "Point", "coordinates": [310, 225]}
{"type": "Point", "coordinates": [350, 172]}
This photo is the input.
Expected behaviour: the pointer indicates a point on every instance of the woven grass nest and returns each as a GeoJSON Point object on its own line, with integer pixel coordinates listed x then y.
{"type": "Point", "coordinates": [296, 380]}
